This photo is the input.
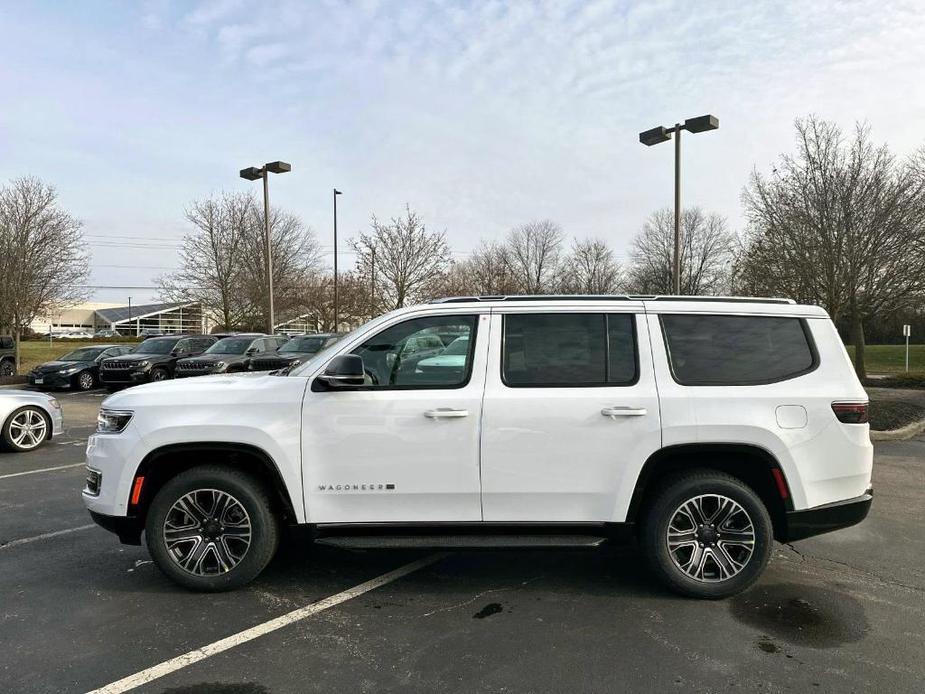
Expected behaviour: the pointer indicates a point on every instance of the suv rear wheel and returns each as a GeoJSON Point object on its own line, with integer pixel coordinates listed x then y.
{"type": "Point", "coordinates": [706, 534]}
{"type": "Point", "coordinates": [7, 368]}
{"type": "Point", "coordinates": [212, 528]}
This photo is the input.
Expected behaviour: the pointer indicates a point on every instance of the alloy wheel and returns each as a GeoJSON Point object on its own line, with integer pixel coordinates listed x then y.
{"type": "Point", "coordinates": [6, 368]}
{"type": "Point", "coordinates": [207, 532]}
{"type": "Point", "coordinates": [159, 375]}
{"type": "Point", "coordinates": [28, 429]}
{"type": "Point", "coordinates": [710, 538]}
{"type": "Point", "coordinates": [85, 380]}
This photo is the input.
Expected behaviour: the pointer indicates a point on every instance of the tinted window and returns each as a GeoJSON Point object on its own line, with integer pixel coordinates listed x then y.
{"type": "Point", "coordinates": [6, 343]}
{"type": "Point", "coordinates": [85, 354]}
{"type": "Point", "coordinates": [412, 354]}
{"type": "Point", "coordinates": [736, 350]}
{"type": "Point", "coordinates": [559, 349]}
{"type": "Point", "coordinates": [309, 345]}
{"type": "Point", "coordinates": [157, 346]}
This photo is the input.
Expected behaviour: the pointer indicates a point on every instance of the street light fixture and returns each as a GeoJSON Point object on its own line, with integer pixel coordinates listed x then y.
{"type": "Point", "coordinates": [252, 173]}
{"type": "Point", "coordinates": [661, 134]}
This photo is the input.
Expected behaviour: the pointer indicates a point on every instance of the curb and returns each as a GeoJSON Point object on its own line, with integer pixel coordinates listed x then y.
{"type": "Point", "coordinates": [906, 432]}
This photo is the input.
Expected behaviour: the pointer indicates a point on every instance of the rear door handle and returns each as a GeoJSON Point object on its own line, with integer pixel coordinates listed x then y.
{"type": "Point", "coordinates": [446, 413]}
{"type": "Point", "coordinates": [623, 412]}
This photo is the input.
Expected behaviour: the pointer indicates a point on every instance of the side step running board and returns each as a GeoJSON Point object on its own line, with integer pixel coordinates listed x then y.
{"type": "Point", "coordinates": [460, 541]}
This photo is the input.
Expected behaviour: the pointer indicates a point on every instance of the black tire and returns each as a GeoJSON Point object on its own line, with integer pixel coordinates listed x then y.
{"type": "Point", "coordinates": [84, 381]}
{"type": "Point", "coordinates": [159, 374]}
{"type": "Point", "coordinates": [707, 484]}
{"type": "Point", "coordinates": [249, 492]}
{"type": "Point", "coordinates": [7, 368]}
{"type": "Point", "coordinates": [6, 436]}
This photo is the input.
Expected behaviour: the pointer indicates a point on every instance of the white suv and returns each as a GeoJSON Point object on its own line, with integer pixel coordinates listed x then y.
{"type": "Point", "coordinates": [703, 427]}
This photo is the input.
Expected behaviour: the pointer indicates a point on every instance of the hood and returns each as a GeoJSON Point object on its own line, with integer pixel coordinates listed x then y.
{"type": "Point", "coordinates": [286, 356]}
{"type": "Point", "coordinates": [137, 356]}
{"type": "Point", "coordinates": [58, 365]}
{"type": "Point", "coordinates": [213, 390]}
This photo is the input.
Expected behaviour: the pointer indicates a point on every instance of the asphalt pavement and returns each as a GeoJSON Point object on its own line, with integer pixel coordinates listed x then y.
{"type": "Point", "coordinates": [843, 612]}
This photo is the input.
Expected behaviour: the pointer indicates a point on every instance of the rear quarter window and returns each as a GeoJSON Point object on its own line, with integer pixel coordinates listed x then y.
{"type": "Point", "coordinates": [737, 350]}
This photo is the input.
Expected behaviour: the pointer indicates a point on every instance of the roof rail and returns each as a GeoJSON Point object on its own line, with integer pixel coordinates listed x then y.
{"type": "Point", "coordinates": [609, 297]}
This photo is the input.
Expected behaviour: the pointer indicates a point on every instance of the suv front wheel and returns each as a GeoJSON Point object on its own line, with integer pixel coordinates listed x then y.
{"type": "Point", "coordinates": [212, 528]}
{"type": "Point", "coordinates": [707, 535]}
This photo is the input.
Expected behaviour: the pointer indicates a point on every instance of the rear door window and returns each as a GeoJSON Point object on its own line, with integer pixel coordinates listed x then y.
{"type": "Point", "coordinates": [569, 349]}
{"type": "Point", "coordinates": [737, 350]}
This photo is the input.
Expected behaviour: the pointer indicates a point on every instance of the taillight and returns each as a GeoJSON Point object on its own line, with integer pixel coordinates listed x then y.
{"type": "Point", "coordinates": [851, 412]}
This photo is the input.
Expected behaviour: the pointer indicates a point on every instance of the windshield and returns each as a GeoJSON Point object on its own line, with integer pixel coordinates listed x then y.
{"type": "Point", "coordinates": [86, 354]}
{"type": "Point", "coordinates": [230, 345]}
{"type": "Point", "coordinates": [156, 346]}
{"type": "Point", "coordinates": [317, 360]}
{"type": "Point", "coordinates": [310, 344]}
{"type": "Point", "coordinates": [458, 346]}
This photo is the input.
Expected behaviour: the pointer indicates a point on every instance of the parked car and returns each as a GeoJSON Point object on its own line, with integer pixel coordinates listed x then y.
{"type": "Point", "coordinates": [293, 352]}
{"type": "Point", "coordinates": [29, 419]}
{"type": "Point", "coordinates": [705, 428]}
{"type": "Point", "coordinates": [79, 369]}
{"type": "Point", "coordinates": [7, 356]}
{"type": "Point", "coordinates": [153, 360]}
{"type": "Point", "coordinates": [106, 333]}
{"type": "Point", "coordinates": [76, 335]}
{"type": "Point", "coordinates": [228, 355]}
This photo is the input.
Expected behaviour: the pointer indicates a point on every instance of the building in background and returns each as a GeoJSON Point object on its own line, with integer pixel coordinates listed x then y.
{"type": "Point", "coordinates": [126, 320]}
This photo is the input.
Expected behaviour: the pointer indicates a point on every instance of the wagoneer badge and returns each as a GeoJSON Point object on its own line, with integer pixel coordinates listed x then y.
{"type": "Point", "coordinates": [355, 487]}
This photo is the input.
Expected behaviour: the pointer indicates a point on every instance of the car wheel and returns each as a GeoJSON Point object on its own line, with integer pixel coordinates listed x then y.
{"type": "Point", "coordinates": [6, 368]}
{"type": "Point", "coordinates": [26, 429]}
{"type": "Point", "coordinates": [706, 534]}
{"type": "Point", "coordinates": [159, 374]}
{"type": "Point", "coordinates": [85, 381]}
{"type": "Point", "coordinates": [212, 528]}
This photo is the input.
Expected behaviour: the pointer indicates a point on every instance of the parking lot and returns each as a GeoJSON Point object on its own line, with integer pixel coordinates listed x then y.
{"type": "Point", "coordinates": [840, 613]}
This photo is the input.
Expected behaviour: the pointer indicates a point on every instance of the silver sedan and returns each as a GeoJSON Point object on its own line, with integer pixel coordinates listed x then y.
{"type": "Point", "coordinates": [29, 419]}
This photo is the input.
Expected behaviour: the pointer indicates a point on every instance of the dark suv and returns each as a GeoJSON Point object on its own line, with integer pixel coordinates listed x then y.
{"type": "Point", "coordinates": [299, 348]}
{"type": "Point", "coordinates": [7, 356]}
{"type": "Point", "coordinates": [229, 355]}
{"type": "Point", "coordinates": [153, 360]}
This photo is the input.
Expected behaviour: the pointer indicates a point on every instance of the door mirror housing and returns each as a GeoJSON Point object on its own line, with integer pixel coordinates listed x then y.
{"type": "Point", "coordinates": [251, 351]}
{"type": "Point", "coordinates": [344, 370]}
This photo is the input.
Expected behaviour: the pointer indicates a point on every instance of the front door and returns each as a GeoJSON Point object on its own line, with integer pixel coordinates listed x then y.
{"type": "Point", "coordinates": [404, 447]}
{"type": "Point", "coordinates": [570, 415]}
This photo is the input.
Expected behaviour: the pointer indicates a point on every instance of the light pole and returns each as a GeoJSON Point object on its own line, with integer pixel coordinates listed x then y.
{"type": "Point", "coordinates": [130, 314]}
{"type": "Point", "coordinates": [661, 134]}
{"type": "Point", "coordinates": [252, 173]}
{"type": "Point", "coordinates": [336, 193]}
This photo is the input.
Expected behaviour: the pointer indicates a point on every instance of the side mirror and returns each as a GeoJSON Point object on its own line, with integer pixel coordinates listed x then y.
{"type": "Point", "coordinates": [250, 351]}
{"type": "Point", "coordinates": [344, 370]}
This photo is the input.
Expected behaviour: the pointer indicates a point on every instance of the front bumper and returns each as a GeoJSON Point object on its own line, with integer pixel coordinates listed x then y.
{"type": "Point", "coordinates": [127, 528]}
{"type": "Point", "coordinates": [123, 376]}
{"type": "Point", "coordinates": [51, 380]}
{"type": "Point", "coordinates": [826, 518]}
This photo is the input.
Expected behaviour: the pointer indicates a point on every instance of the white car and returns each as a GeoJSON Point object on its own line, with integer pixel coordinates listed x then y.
{"type": "Point", "coordinates": [704, 427]}
{"type": "Point", "coordinates": [29, 419]}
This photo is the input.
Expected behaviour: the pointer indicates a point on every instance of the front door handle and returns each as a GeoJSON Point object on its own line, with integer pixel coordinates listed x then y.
{"type": "Point", "coordinates": [613, 412]}
{"type": "Point", "coordinates": [446, 413]}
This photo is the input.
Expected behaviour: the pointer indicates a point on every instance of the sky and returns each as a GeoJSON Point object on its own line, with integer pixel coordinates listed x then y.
{"type": "Point", "coordinates": [480, 115]}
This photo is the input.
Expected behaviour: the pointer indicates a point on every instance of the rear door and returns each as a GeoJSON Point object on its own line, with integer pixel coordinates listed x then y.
{"type": "Point", "coordinates": [570, 414]}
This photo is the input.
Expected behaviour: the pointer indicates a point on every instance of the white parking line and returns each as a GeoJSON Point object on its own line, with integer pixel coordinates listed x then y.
{"type": "Point", "coordinates": [194, 656]}
{"type": "Point", "coordinates": [44, 469]}
{"type": "Point", "coordinates": [45, 536]}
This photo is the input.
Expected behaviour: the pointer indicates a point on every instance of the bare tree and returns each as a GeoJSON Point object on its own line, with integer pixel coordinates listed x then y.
{"type": "Point", "coordinates": [706, 254]}
{"type": "Point", "coordinates": [532, 255]}
{"type": "Point", "coordinates": [43, 264]}
{"type": "Point", "coordinates": [212, 260]}
{"type": "Point", "coordinates": [841, 224]}
{"type": "Point", "coordinates": [409, 259]}
{"type": "Point", "coordinates": [223, 261]}
{"type": "Point", "coordinates": [591, 268]}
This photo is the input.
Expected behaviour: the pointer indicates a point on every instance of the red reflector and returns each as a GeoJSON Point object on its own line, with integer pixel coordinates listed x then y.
{"type": "Point", "coordinates": [136, 490]}
{"type": "Point", "coordinates": [851, 412]}
{"type": "Point", "coordinates": [781, 483]}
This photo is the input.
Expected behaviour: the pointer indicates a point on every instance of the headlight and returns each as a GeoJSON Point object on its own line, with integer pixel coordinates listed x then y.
{"type": "Point", "coordinates": [142, 364]}
{"type": "Point", "coordinates": [73, 369]}
{"type": "Point", "coordinates": [112, 421]}
{"type": "Point", "coordinates": [219, 365]}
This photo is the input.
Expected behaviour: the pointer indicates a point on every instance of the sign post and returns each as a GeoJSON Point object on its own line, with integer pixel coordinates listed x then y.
{"type": "Point", "coordinates": [907, 331]}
